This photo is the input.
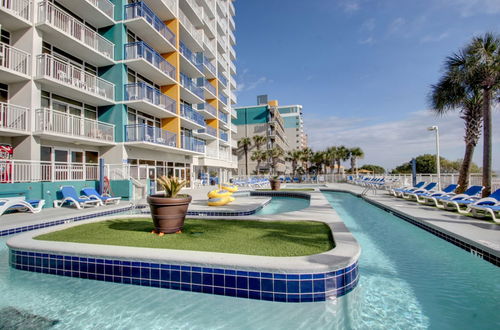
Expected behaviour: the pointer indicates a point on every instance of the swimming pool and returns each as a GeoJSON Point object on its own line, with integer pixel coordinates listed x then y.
{"type": "Point", "coordinates": [441, 287]}
{"type": "Point", "coordinates": [280, 204]}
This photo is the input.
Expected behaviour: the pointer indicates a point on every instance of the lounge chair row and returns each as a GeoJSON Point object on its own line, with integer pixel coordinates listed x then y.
{"type": "Point", "coordinates": [467, 202]}
{"type": "Point", "coordinates": [89, 197]}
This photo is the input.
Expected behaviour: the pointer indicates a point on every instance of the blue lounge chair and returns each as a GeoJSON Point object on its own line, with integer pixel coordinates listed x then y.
{"type": "Point", "coordinates": [104, 199]}
{"type": "Point", "coordinates": [424, 196]}
{"type": "Point", "coordinates": [20, 204]}
{"type": "Point", "coordinates": [427, 189]}
{"type": "Point", "coordinates": [454, 205]}
{"type": "Point", "coordinates": [70, 196]}
{"type": "Point", "coordinates": [480, 211]}
{"type": "Point", "coordinates": [399, 191]}
{"type": "Point", "coordinates": [470, 193]}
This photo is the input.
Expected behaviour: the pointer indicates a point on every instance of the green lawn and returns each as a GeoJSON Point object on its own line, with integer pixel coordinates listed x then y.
{"type": "Point", "coordinates": [263, 238]}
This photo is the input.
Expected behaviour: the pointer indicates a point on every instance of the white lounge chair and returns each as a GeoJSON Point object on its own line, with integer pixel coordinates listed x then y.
{"type": "Point", "coordinates": [20, 204]}
{"type": "Point", "coordinates": [104, 199]}
{"type": "Point", "coordinates": [70, 196]}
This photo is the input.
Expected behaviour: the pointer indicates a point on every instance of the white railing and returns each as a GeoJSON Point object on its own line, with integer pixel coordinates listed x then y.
{"type": "Point", "coordinates": [14, 59]}
{"type": "Point", "coordinates": [50, 14]}
{"type": "Point", "coordinates": [211, 152]}
{"type": "Point", "coordinates": [197, 9]}
{"type": "Point", "coordinates": [68, 74]}
{"type": "Point", "coordinates": [105, 6]}
{"type": "Point", "coordinates": [233, 53]}
{"type": "Point", "coordinates": [48, 120]}
{"type": "Point", "coordinates": [210, 44]}
{"type": "Point", "coordinates": [222, 23]}
{"type": "Point", "coordinates": [196, 34]}
{"type": "Point", "coordinates": [14, 117]}
{"type": "Point", "coordinates": [35, 171]}
{"type": "Point", "coordinates": [21, 8]}
{"type": "Point", "coordinates": [232, 66]}
{"type": "Point", "coordinates": [234, 114]}
{"type": "Point", "coordinates": [222, 61]}
{"type": "Point", "coordinates": [222, 41]}
{"type": "Point", "coordinates": [224, 154]}
{"type": "Point", "coordinates": [212, 25]}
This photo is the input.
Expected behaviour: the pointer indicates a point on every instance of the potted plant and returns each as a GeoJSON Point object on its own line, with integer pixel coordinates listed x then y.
{"type": "Point", "coordinates": [275, 182]}
{"type": "Point", "coordinates": [169, 210]}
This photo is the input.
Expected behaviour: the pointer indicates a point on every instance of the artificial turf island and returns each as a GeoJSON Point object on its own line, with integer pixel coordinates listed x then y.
{"type": "Point", "coordinates": [263, 238]}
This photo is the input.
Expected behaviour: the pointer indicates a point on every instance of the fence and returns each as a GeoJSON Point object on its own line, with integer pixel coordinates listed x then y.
{"type": "Point", "coordinates": [14, 59]}
{"type": "Point", "coordinates": [36, 171]}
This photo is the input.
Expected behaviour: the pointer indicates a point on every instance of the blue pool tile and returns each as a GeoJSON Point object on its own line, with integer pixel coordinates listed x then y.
{"type": "Point", "coordinates": [196, 278]}
{"type": "Point", "coordinates": [163, 266]}
{"type": "Point", "coordinates": [280, 286]}
{"type": "Point", "coordinates": [306, 298]}
{"type": "Point", "coordinates": [292, 287]}
{"type": "Point", "coordinates": [242, 293]}
{"type": "Point", "coordinates": [230, 272]}
{"type": "Point", "coordinates": [305, 276]}
{"type": "Point", "coordinates": [145, 273]}
{"type": "Point", "coordinates": [176, 267]}
{"type": "Point", "coordinates": [242, 282]}
{"type": "Point", "coordinates": [340, 281]}
{"type": "Point", "coordinates": [280, 276]}
{"type": "Point", "coordinates": [292, 277]}
{"type": "Point", "coordinates": [267, 296]}
{"type": "Point", "coordinates": [319, 285]}
{"type": "Point", "coordinates": [254, 283]}
{"type": "Point", "coordinates": [165, 285]}
{"type": "Point", "coordinates": [218, 280]}
{"type": "Point", "coordinates": [254, 274]}
{"type": "Point", "coordinates": [319, 297]}
{"type": "Point", "coordinates": [155, 274]}
{"type": "Point", "coordinates": [266, 275]}
{"type": "Point", "coordinates": [185, 286]}
{"type": "Point", "coordinates": [165, 275]}
{"type": "Point", "coordinates": [196, 288]}
{"type": "Point", "coordinates": [207, 289]}
{"type": "Point", "coordinates": [207, 279]}
{"type": "Point", "coordinates": [306, 286]}
{"type": "Point", "coordinates": [254, 295]}
{"type": "Point", "coordinates": [196, 269]}
{"type": "Point", "coordinates": [175, 275]}
{"type": "Point", "coordinates": [126, 271]}
{"type": "Point", "coordinates": [186, 268]}
{"type": "Point", "coordinates": [175, 285]}
{"type": "Point", "coordinates": [218, 291]}
{"type": "Point", "coordinates": [207, 270]}
{"type": "Point", "coordinates": [230, 292]}
{"type": "Point", "coordinates": [230, 281]}
{"type": "Point", "coordinates": [317, 276]}
{"type": "Point", "coordinates": [293, 298]}
{"type": "Point", "coordinates": [155, 284]}
{"type": "Point", "coordinates": [280, 297]}
{"type": "Point", "coordinates": [241, 273]}
{"type": "Point", "coordinates": [185, 277]}
{"type": "Point", "coordinates": [266, 285]}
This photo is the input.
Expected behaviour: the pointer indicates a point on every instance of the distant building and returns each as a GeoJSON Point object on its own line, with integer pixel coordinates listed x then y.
{"type": "Point", "coordinates": [294, 126]}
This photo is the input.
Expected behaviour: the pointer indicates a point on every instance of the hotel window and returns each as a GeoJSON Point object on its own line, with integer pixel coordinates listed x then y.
{"type": "Point", "coordinates": [66, 57]}
{"type": "Point", "coordinates": [5, 37]}
{"type": "Point", "coordinates": [72, 107]}
{"type": "Point", "coordinates": [134, 77]}
{"type": "Point", "coordinates": [4, 93]}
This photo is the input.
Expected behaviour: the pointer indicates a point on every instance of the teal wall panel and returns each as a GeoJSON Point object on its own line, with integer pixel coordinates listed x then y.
{"type": "Point", "coordinates": [291, 122]}
{"type": "Point", "coordinates": [252, 115]}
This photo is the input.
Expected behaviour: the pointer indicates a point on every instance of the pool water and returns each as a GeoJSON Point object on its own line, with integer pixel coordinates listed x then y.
{"type": "Point", "coordinates": [283, 204]}
{"type": "Point", "coordinates": [410, 279]}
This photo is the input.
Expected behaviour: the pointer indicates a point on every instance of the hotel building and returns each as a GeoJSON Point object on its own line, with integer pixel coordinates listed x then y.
{"type": "Point", "coordinates": [145, 85]}
{"type": "Point", "coordinates": [294, 126]}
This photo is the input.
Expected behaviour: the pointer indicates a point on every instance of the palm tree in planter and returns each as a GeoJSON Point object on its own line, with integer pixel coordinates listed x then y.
{"type": "Point", "coordinates": [169, 209]}
{"type": "Point", "coordinates": [274, 155]}
{"type": "Point", "coordinates": [451, 94]}
{"type": "Point", "coordinates": [355, 154]}
{"type": "Point", "coordinates": [245, 143]}
{"type": "Point", "coordinates": [258, 156]}
{"type": "Point", "coordinates": [258, 141]}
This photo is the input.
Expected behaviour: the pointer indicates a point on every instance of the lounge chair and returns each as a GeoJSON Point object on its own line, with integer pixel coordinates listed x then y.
{"type": "Point", "coordinates": [399, 191]}
{"type": "Point", "coordinates": [470, 193]}
{"type": "Point", "coordinates": [454, 205]}
{"type": "Point", "coordinates": [423, 196]}
{"type": "Point", "coordinates": [70, 196]}
{"type": "Point", "coordinates": [480, 211]}
{"type": "Point", "coordinates": [427, 189]}
{"type": "Point", "coordinates": [20, 204]}
{"type": "Point", "coordinates": [104, 199]}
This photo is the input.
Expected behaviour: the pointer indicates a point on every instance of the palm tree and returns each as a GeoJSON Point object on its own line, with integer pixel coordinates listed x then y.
{"type": "Point", "coordinates": [480, 67]}
{"type": "Point", "coordinates": [245, 143]}
{"type": "Point", "coordinates": [319, 159]}
{"type": "Point", "coordinates": [258, 141]}
{"type": "Point", "coordinates": [355, 154]}
{"type": "Point", "coordinates": [305, 158]}
{"type": "Point", "coordinates": [274, 155]}
{"type": "Point", "coordinates": [258, 156]}
{"type": "Point", "coordinates": [342, 155]}
{"type": "Point", "coordinates": [331, 156]}
{"type": "Point", "coordinates": [450, 94]}
{"type": "Point", "coordinates": [294, 157]}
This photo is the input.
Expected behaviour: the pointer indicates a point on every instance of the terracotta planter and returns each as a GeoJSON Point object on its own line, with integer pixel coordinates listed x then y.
{"type": "Point", "coordinates": [168, 213]}
{"type": "Point", "coordinates": [275, 184]}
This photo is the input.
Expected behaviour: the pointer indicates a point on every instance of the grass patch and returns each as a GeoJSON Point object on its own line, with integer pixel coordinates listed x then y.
{"type": "Point", "coordinates": [262, 238]}
{"type": "Point", "coordinates": [289, 189]}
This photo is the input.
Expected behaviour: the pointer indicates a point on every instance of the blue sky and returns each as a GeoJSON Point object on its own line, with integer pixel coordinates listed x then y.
{"type": "Point", "coordinates": [361, 68]}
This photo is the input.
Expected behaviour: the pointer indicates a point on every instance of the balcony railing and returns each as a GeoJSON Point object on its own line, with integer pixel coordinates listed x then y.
{"type": "Point", "coordinates": [209, 65]}
{"type": "Point", "coordinates": [210, 43]}
{"type": "Point", "coordinates": [140, 9]}
{"type": "Point", "coordinates": [188, 83]}
{"type": "Point", "coordinates": [48, 120]}
{"type": "Point", "coordinates": [211, 152]}
{"type": "Point", "coordinates": [207, 107]}
{"type": "Point", "coordinates": [223, 117]}
{"type": "Point", "coordinates": [136, 50]}
{"type": "Point", "coordinates": [223, 135]}
{"type": "Point", "coordinates": [14, 117]}
{"type": "Point", "coordinates": [151, 134]}
{"type": "Point", "coordinates": [14, 59]}
{"type": "Point", "coordinates": [196, 8]}
{"type": "Point", "coordinates": [190, 56]}
{"type": "Point", "coordinates": [208, 130]}
{"type": "Point", "coordinates": [223, 98]}
{"type": "Point", "coordinates": [209, 87]}
{"type": "Point", "coordinates": [144, 92]}
{"type": "Point", "coordinates": [189, 113]}
{"type": "Point", "coordinates": [105, 6]}
{"type": "Point", "coordinates": [196, 34]}
{"type": "Point", "coordinates": [36, 171]}
{"type": "Point", "coordinates": [50, 14]}
{"type": "Point", "coordinates": [70, 75]}
{"type": "Point", "coordinates": [222, 79]}
{"type": "Point", "coordinates": [192, 143]}
{"type": "Point", "coordinates": [21, 8]}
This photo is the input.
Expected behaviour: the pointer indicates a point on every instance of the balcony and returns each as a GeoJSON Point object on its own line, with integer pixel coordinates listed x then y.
{"type": "Point", "coordinates": [222, 80]}
{"type": "Point", "coordinates": [191, 63]}
{"type": "Point", "coordinates": [210, 26]}
{"type": "Point", "coordinates": [210, 47]}
{"type": "Point", "coordinates": [71, 81]}
{"type": "Point", "coordinates": [165, 9]}
{"type": "Point", "coordinates": [210, 90]}
{"type": "Point", "coordinates": [232, 83]}
{"type": "Point", "coordinates": [222, 44]}
{"type": "Point", "coordinates": [59, 126]}
{"type": "Point", "coordinates": [146, 98]}
{"type": "Point", "coordinates": [193, 144]}
{"type": "Point", "coordinates": [192, 36]}
{"type": "Point", "coordinates": [222, 63]}
{"type": "Point", "coordinates": [234, 129]}
{"type": "Point", "coordinates": [207, 110]}
{"type": "Point", "coordinates": [232, 67]}
{"type": "Point", "coordinates": [223, 118]}
{"type": "Point", "coordinates": [193, 11]}
{"type": "Point", "coordinates": [232, 53]}
{"type": "Point", "coordinates": [190, 92]}
{"type": "Point", "coordinates": [190, 118]}
{"type": "Point", "coordinates": [232, 97]}
{"type": "Point", "coordinates": [210, 71]}
{"type": "Point", "coordinates": [207, 133]}
{"type": "Point", "coordinates": [150, 137]}
{"type": "Point", "coordinates": [234, 114]}
{"type": "Point", "coordinates": [99, 13]}
{"type": "Point", "coordinates": [64, 31]}
{"type": "Point", "coordinates": [15, 64]}
{"type": "Point", "coordinates": [223, 99]}
{"type": "Point", "coordinates": [15, 14]}
{"type": "Point", "coordinates": [150, 28]}
{"type": "Point", "coordinates": [145, 60]}
{"type": "Point", "coordinates": [209, 6]}
{"type": "Point", "coordinates": [14, 120]}
{"type": "Point", "coordinates": [222, 25]}
{"type": "Point", "coordinates": [223, 136]}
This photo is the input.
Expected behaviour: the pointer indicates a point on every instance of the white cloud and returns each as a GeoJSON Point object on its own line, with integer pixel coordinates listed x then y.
{"type": "Point", "coordinates": [367, 41]}
{"type": "Point", "coordinates": [368, 25]}
{"type": "Point", "coordinates": [350, 6]}
{"type": "Point", "coordinates": [474, 7]}
{"type": "Point", "coordinates": [397, 25]}
{"type": "Point", "coordinates": [391, 143]}
{"type": "Point", "coordinates": [434, 38]}
{"type": "Point", "coordinates": [244, 86]}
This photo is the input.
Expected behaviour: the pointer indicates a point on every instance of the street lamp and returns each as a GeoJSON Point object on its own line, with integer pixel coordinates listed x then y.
{"type": "Point", "coordinates": [438, 162]}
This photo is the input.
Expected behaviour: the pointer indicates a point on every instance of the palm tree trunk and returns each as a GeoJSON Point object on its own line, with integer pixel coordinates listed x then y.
{"type": "Point", "coordinates": [353, 164]}
{"type": "Point", "coordinates": [487, 142]}
{"type": "Point", "coordinates": [258, 167]}
{"type": "Point", "coordinates": [338, 166]}
{"type": "Point", "coordinates": [246, 161]}
{"type": "Point", "coordinates": [463, 177]}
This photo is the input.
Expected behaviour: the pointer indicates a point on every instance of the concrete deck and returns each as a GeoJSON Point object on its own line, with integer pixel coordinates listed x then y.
{"type": "Point", "coordinates": [482, 234]}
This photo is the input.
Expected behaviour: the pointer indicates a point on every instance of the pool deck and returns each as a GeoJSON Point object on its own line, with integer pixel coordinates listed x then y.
{"type": "Point", "coordinates": [480, 234]}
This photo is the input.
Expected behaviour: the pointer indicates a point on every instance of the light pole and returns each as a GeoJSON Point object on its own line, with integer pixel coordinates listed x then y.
{"type": "Point", "coordinates": [438, 162]}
